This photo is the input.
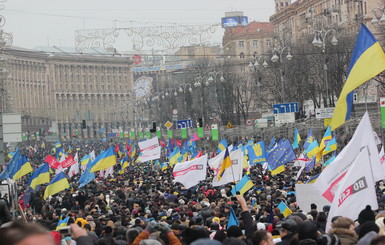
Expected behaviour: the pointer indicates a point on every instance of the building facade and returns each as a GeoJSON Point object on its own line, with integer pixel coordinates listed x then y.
{"type": "Point", "coordinates": [68, 89]}
{"type": "Point", "coordinates": [294, 21]}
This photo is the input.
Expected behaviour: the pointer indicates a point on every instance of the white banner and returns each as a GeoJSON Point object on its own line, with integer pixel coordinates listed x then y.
{"type": "Point", "coordinates": [216, 161]}
{"type": "Point", "coordinates": [327, 183]}
{"type": "Point", "coordinates": [356, 190]}
{"type": "Point", "coordinates": [233, 173]}
{"type": "Point", "coordinates": [306, 195]}
{"type": "Point", "coordinates": [150, 149]}
{"type": "Point", "coordinates": [191, 172]}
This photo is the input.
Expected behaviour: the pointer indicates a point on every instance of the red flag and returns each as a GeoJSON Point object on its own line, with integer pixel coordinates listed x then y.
{"type": "Point", "coordinates": [52, 162]}
{"type": "Point", "coordinates": [179, 143]}
{"type": "Point", "coordinates": [68, 162]}
{"type": "Point", "coordinates": [117, 149]}
{"type": "Point", "coordinates": [161, 143]}
{"type": "Point", "coordinates": [199, 154]}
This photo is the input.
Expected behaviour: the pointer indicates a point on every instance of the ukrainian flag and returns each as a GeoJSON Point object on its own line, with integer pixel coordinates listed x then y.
{"type": "Point", "coordinates": [327, 137]}
{"type": "Point", "coordinates": [173, 159]}
{"type": "Point", "coordinates": [40, 176]}
{"type": "Point", "coordinates": [331, 146]}
{"type": "Point", "coordinates": [133, 152]}
{"type": "Point", "coordinates": [164, 166]}
{"type": "Point", "coordinates": [85, 159]}
{"type": "Point", "coordinates": [62, 223]}
{"type": "Point", "coordinates": [104, 160]}
{"type": "Point", "coordinates": [296, 140]}
{"type": "Point", "coordinates": [124, 163]}
{"type": "Point", "coordinates": [309, 139]}
{"type": "Point", "coordinates": [242, 186]}
{"type": "Point", "coordinates": [225, 164]}
{"type": "Point", "coordinates": [10, 168]}
{"type": "Point", "coordinates": [23, 167]}
{"type": "Point", "coordinates": [313, 149]}
{"type": "Point", "coordinates": [368, 60]}
{"type": "Point", "coordinates": [330, 160]}
{"type": "Point", "coordinates": [284, 209]}
{"type": "Point", "coordinates": [57, 184]}
{"type": "Point", "coordinates": [222, 146]}
{"type": "Point", "coordinates": [57, 144]}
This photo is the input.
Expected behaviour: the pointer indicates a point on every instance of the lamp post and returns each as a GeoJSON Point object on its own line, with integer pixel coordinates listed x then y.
{"type": "Point", "coordinates": [255, 67]}
{"type": "Point", "coordinates": [320, 40]}
{"type": "Point", "coordinates": [278, 53]}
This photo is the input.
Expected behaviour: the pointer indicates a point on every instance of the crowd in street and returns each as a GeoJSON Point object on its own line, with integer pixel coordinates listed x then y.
{"type": "Point", "coordinates": [144, 206]}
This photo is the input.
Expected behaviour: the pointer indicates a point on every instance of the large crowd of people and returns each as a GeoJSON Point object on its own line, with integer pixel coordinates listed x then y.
{"type": "Point", "coordinates": [144, 206]}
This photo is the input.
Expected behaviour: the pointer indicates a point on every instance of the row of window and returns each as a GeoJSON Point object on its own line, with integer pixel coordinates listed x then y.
{"type": "Point", "coordinates": [241, 44]}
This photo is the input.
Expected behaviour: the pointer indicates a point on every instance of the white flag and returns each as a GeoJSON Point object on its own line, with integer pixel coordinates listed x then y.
{"type": "Point", "coordinates": [74, 169]}
{"type": "Point", "coordinates": [216, 161]}
{"type": "Point", "coordinates": [233, 173]}
{"type": "Point", "coordinates": [376, 138]}
{"type": "Point", "coordinates": [355, 191]}
{"type": "Point", "coordinates": [329, 179]}
{"type": "Point", "coordinates": [109, 171]}
{"type": "Point", "coordinates": [191, 172]}
{"type": "Point", "coordinates": [301, 161]}
{"type": "Point", "coordinates": [150, 149]}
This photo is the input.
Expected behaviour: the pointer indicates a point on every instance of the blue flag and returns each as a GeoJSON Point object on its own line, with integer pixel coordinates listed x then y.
{"type": "Point", "coordinates": [257, 153]}
{"type": "Point", "coordinates": [232, 219]}
{"type": "Point", "coordinates": [280, 155]}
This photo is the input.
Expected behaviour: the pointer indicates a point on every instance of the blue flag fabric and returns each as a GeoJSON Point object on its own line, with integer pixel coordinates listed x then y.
{"type": "Point", "coordinates": [280, 155]}
{"type": "Point", "coordinates": [257, 153]}
{"type": "Point", "coordinates": [27, 195]}
{"type": "Point", "coordinates": [232, 219]}
{"type": "Point", "coordinates": [10, 168]}
{"type": "Point", "coordinates": [310, 164]}
{"type": "Point", "coordinates": [309, 139]}
{"type": "Point", "coordinates": [271, 144]}
{"type": "Point", "coordinates": [87, 176]}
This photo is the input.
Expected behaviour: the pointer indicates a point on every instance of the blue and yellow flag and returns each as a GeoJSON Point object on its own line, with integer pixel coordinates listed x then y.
{"type": "Point", "coordinates": [331, 146]}
{"type": "Point", "coordinates": [368, 60]}
{"type": "Point", "coordinates": [257, 153]}
{"type": "Point", "coordinates": [330, 160]}
{"type": "Point", "coordinates": [124, 165]}
{"type": "Point", "coordinates": [296, 139]}
{"type": "Point", "coordinates": [226, 163]}
{"type": "Point", "coordinates": [313, 179]}
{"type": "Point", "coordinates": [279, 156]}
{"type": "Point", "coordinates": [327, 137]}
{"type": "Point", "coordinates": [174, 156]}
{"type": "Point", "coordinates": [62, 223]}
{"type": "Point", "coordinates": [39, 176]}
{"type": "Point", "coordinates": [284, 209]}
{"type": "Point", "coordinates": [10, 168]}
{"type": "Point", "coordinates": [23, 167]}
{"type": "Point", "coordinates": [86, 177]}
{"type": "Point", "coordinates": [242, 186]}
{"type": "Point", "coordinates": [57, 184]}
{"type": "Point", "coordinates": [164, 166]}
{"type": "Point", "coordinates": [312, 149]}
{"type": "Point", "coordinates": [309, 139]}
{"type": "Point", "coordinates": [222, 146]}
{"type": "Point", "coordinates": [104, 160]}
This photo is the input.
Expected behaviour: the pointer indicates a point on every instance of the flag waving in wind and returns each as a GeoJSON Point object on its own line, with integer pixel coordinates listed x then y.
{"type": "Point", "coordinates": [368, 60]}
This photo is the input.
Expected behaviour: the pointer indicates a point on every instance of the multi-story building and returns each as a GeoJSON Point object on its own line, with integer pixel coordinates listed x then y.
{"type": "Point", "coordinates": [294, 21]}
{"type": "Point", "coordinates": [247, 42]}
{"type": "Point", "coordinates": [68, 89]}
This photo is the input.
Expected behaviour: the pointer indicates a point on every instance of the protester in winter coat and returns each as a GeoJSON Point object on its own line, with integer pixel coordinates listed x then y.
{"type": "Point", "coordinates": [343, 228]}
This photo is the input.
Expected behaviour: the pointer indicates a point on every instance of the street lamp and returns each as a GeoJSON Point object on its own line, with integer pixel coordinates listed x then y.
{"type": "Point", "coordinates": [278, 53]}
{"type": "Point", "coordinates": [320, 38]}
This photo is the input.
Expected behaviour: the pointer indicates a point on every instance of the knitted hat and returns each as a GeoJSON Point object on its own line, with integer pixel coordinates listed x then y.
{"type": "Point", "coordinates": [234, 231]}
{"type": "Point", "coordinates": [366, 215]}
{"type": "Point", "coordinates": [329, 239]}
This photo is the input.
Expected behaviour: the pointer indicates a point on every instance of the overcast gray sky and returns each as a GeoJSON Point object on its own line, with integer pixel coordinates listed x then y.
{"type": "Point", "coordinates": [42, 22]}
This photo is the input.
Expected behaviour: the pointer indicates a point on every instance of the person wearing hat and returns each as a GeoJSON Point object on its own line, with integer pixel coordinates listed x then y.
{"type": "Point", "coordinates": [287, 230]}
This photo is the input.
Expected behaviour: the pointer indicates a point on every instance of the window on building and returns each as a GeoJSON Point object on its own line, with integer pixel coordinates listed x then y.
{"type": "Point", "coordinates": [255, 43]}
{"type": "Point", "coordinates": [241, 44]}
{"type": "Point", "coordinates": [268, 42]}
{"type": "Point", "coordinates": [281, 4]}
{"type": "Point", "coordinates": [241, 55]}
{"type": "Point", "coordinates": [286, 3]}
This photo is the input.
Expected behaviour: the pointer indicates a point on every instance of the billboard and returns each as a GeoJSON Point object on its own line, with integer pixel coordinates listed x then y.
{"type": "Point", "coordinates": [12, 128]}
{"type": "Point", "coordinates": [234, 21]}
